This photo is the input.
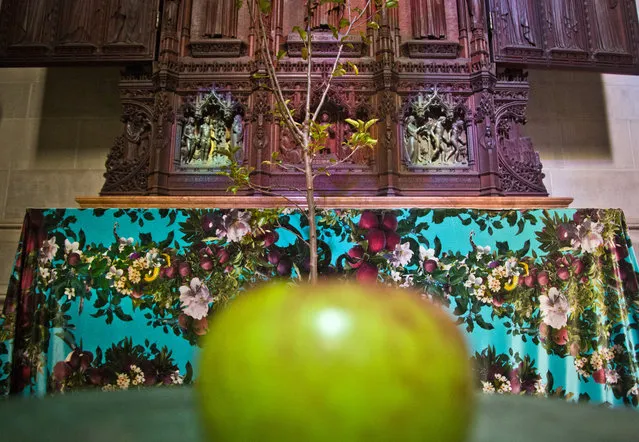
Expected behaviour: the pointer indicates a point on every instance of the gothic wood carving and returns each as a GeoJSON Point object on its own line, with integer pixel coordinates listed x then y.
{"type": "Point", "coordinates": [127, 165]}
{"type": "Point", "coordinates": [591, 34]}
{"type": "Point", "coordinates": [42, 32]}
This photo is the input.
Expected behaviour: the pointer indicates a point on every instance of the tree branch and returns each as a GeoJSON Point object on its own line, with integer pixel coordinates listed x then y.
{"type": "Point", "coordinates": [337, 58]}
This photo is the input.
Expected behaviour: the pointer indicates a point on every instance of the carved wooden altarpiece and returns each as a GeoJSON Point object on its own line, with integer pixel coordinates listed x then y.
{"type": "Point", "coordinates": [446, 78]}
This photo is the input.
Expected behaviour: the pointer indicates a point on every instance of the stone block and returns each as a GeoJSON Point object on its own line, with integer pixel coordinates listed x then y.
{"type": "Point", "coordinates": [96, 137]}
{"type": "Point", "coordinates": [52, 145]}
{"type": "Point", "coordinates": [49, 189]}
{"type": "Point", "coordinates": [9, 238]}
{"type": "Point", "coordinates": [598, 188]}
{"type": "Point", "coordinates": [14, 99]}
{"type": "Point", "coordinates": [81, 93]}
{"type": "Point", "coordinates": [22, 75]}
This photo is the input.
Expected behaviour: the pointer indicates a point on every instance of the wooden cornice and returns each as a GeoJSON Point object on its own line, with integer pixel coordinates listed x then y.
{"type": "Point", "coordinates": [350, 202]}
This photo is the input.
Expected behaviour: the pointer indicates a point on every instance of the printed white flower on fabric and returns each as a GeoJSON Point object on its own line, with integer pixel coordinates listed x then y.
{"type": "Point", "coordinates": [401, 255]}
{"type": "Point", "coordinates": [176, 378]}
{"type": "Point", "coordinates": [589, 236]}
{"type": "Point", "coordinates": [612, 377]}
{"type": "Point", "coordinates": [70, 293]}
{"type": "Point", "coordinates": [151, 258]}
{"type": "Point", "coordinates": [487, 387]}
{"type": "Point", "coordinates": [395, 275]}
{"type": "Point", "coordinates": [426, 254]}
{"type": "Point", "coordinates": [236, 226]}
{"type": "Point", "coordinates": [540, 387]}
{"type": "Point", "coordinates": [123, 381]}
{"type": "Point", "coordinates": [72, 247]}
{"type": "Point", "coordinates": [634, 391]}
{"type": "Point", "coordinates": [114, 273]}
{"type": "Point", "coordinates": [493, 284]}
{"type": "Point", "coordinates": [482, 250]}
{"type": "Point", "coordinates": [44, 272]}
{"type": "Point", "coordinates": [511, 266]}
{"type": "Point", "coordinates": [408, 282]}
{"type": "Point", "coordinates": [48, 250]}
{"type": "Point", "coordinates": [473, 281]}
{"type": "Point", "coordinates": [554, 308]}
{"type": "Point", "coordinates": [124, 242]}
{"type": "Point", "coordinates": [195, 299]}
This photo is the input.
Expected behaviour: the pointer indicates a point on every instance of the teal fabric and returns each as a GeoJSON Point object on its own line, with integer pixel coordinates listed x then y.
{"type": "Point", "coordinates": [118, 299]}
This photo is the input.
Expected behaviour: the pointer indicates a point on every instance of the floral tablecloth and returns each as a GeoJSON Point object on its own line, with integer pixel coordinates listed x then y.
{"type": "Point", "coordinates": [117, 299]}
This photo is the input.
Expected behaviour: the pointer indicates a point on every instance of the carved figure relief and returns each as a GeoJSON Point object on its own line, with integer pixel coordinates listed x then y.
{"type": "Point", "coordinates": [127, 165]}
{"type": "Point", "coordinates": [563, 22]}
{"type": "Point", "coordinates": [289, 150]}
{"type": "Point", "coordinates": [515, 23]}
{"type": "Point", "coordinates": [428, 18]}
{"type": "Point", "coordinates": [220, 18]}
{"type": "Point", "coordinates": [609, 24]}
{"type": "Point", "coordinates": [325, 15]}
{"type": "Point", "coordinates": [338, 133]}
{"type": "Point", "coordinates": [476, 12]}
{"type": "Point", "coordinates": [76, 21]}
{"type": "Point", "coordinates": [34, 21]}
{"type": "Point", "coordinates": [520, 168]}
{"type": "Point", "coordinates": [434, 134]}
{"type": "Point", "coordinates": [126, 22]}
{"type": "Point", "coordinates": [137, 132]}
{"type": "Point", "coordinates": [171, 15]}
{"type": "Point", "coordinates": [211, 128]}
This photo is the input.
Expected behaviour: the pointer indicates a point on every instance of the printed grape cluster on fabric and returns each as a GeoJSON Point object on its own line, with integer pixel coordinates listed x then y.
{"type": "Point", "coordinates": [560, 280]}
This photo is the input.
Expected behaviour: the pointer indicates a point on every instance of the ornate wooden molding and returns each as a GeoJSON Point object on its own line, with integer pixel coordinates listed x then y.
{"type": "Point", "coordinates": [378, 202]}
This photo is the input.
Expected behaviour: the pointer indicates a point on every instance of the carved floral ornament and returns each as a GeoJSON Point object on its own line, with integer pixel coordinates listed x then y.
{"type": "Point", "coordinates": [434, 132]}
{"type": "Point", "coordinates": [211, 127]}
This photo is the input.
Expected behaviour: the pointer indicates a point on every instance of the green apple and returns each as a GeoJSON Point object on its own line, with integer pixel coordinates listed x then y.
{"type": "Point", "coordinates": [334, 363]}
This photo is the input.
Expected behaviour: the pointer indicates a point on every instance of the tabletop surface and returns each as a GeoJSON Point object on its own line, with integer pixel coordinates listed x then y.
{"type": "Point", "coordinates": [170, 414]}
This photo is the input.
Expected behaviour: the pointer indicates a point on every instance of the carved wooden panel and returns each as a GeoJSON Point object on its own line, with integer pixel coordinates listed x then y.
{"type": "Point", "coordinates": [41, 32]}
{"type": "Point", "coordinates": [595, 34]}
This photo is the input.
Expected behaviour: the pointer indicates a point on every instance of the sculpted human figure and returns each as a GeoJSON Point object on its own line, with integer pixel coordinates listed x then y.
{"type": "Point", "coordinates": [33, 18]}
{"type": "Point", "coordinates": [456, 142]}
{"type": "Point", "coordinates": [437, 138]}
{"type": "Point", "coordinates": [564, 23]}
{"type": "Point", "coordinates": [221, 18]}
{"type": "Point", "coordinates": [237, 136]}
{"type": "Point", "coordinates": [609, 24]}
{"type": "Point", "coordinates": [126, 22]}
{"type": "Point", "coordinates": [516, 22]}
{"type": "Point", "coordinates": [325, 14]}
{"type": "Point", "coordinates": [206, 141]}
{"type": "Point", "coordinates": [411, 142]}
{"type": "Point", "coordinates": [189, 140]}
{"type": "Point", "coordinates": [476, 12]}
{"type": "Point", "coordinates": [331, 140]}
{"type": "Point", "coordinates": [428, 18]}
{"type": "Point", "coordinates": [76, 23]}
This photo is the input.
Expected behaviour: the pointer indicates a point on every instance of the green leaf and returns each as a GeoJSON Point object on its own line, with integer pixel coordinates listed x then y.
{"type": "Point", "coordinates": [372, 25]}
{"type": "Point", "coordinates": [280, 54]}
{"type": "Point", "coordinates": [301, 32]}
{"type": "Point", "coordinates": [305, 53]}
{"type": "Point", "coordinates": [265, 6]}
{"type": "Point", "coordinates": [352, 122]}
{"type": "Point", "coordinates": [344, 23]}
{"type": "Point", "coordinates": [391, 4]}
{"type": "Point", "coordinates": [339, 71]}
{"type": "Point", "coordinates": [369, 123]}
{"type": "Point", "coordinates": [353, 66]}
{"type": "Point", "coordinates": [334, 31]}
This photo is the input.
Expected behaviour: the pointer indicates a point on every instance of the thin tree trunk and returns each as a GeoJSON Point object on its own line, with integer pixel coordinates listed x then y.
{"type": "Point", "coordinates": [312, 228]}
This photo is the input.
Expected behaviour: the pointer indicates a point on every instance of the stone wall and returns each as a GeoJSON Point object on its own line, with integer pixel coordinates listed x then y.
{"type": "Point", "coordinates": [56, 126]}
